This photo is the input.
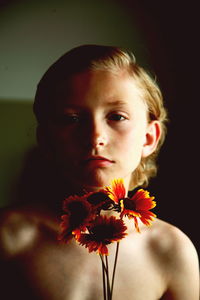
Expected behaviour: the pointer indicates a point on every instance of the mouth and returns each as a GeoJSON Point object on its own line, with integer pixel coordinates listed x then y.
{"type": "Point", "coordinates": [97, 161]}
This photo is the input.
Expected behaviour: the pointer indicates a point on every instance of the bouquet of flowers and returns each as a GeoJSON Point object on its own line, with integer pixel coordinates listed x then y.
{"type": "Point", "coordinates": [85, 221]}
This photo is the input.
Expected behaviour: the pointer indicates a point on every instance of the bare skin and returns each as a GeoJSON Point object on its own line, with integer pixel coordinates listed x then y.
{"type": "Point", "coordinates": [159, 263]}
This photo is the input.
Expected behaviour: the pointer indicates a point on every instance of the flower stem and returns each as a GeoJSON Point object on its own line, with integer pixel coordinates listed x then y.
{"type": "Point", "coordinates": [108, 280]}
{"type": "Point", "coordinates": [103, 277]}
{"type": "Point", "coordinates": [107, 289]}
{"type": "Point", "coordinates": [114, 269]}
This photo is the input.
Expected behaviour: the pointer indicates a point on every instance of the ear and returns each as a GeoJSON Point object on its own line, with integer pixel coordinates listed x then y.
{"type": "Point", "coordinates": [152, 137]}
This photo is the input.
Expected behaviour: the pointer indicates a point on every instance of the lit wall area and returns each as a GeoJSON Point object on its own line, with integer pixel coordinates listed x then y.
{"type": "Point", "coordinates": [33, 35]}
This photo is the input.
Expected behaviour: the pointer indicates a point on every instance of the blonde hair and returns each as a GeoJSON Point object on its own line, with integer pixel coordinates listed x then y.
{"type": "Point", "coordinates": [113, 59]}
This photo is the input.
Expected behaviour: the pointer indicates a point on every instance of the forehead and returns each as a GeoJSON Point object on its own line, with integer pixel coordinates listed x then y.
{"type": "Point", "coordinates": [100, 87]}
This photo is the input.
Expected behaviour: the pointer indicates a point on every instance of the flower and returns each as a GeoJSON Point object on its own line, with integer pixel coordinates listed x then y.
{"type": "Point", "coordinates": [117, 190]}
{"type": "Point", "coordinates": [79, 213]}
{"type": "Point", "coordinates": [100, 200]}
{"type": "Point", "coordinates": [102, 231]}
{"type": "Point", "coordinates": [138, 206]}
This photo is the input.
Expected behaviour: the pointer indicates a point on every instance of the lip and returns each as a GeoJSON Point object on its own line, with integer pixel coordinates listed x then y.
{"type": "Point", "coordinates": [97, 161]}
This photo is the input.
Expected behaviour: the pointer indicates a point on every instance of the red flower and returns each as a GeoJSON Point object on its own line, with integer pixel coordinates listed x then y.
{"type": "Point", "coordinates": [102, 231]}
{"type": "Point", "coordinates": [117, 190]}
{"type": "Point", "coordinates": [79, 213]}
{"type": "Point", "coordinates": [138, 206]}
{"type": "Point", "coordinates": [100, 200]}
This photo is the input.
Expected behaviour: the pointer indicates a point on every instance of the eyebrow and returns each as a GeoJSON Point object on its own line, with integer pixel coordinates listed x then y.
{"type": "Point", "coordinates": [107, 103]}
{"type": "Point", "coordinates": [116, 103]}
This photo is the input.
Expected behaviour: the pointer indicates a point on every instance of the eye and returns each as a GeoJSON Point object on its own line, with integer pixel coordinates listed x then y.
{"type": "Point", "coordinates": [116, 117]}
{"type": "Point", "coordinates": [67, 119]}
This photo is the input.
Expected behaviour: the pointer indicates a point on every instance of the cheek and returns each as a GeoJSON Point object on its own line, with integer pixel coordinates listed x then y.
{"type": "Point", "coordinates": [131, 137]}
{"type": "Point", "coordinates": [63, 141]}
{"type": "Point", "coordinates": [130, 144]}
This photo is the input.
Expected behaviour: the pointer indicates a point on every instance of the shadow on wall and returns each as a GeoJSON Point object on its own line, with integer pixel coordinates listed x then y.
{"type": "Point", "coordinates": [17, 133]}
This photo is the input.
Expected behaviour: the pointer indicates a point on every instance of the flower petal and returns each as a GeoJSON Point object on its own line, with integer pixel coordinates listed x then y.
{"type": "Point", "coordinates": [102, 231]}
{"type": "Point", "coordinates": [138, 206]}
{"type": "Point", "coordinates": [79, 214]}
{"type": "Point", "coordinates": [117, 190]}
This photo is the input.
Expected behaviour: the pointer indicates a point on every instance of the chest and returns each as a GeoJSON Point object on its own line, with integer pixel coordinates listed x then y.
{"type": "Point", "coordinates": [69, 272]}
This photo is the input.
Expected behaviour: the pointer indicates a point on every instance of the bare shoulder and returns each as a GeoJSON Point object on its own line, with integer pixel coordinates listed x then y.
{"type": "Point", "coordinates": [178, 258]}
{"type": "Point", "coordinates": [17, 231]}
{"type": "Point", "coordinates": [22, 228]}
{"type": "Point", "coordinates": [167, 239]}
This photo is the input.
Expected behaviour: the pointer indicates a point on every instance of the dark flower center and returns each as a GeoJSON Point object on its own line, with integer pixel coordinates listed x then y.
{"type": "Point", "coordinates": [102, 233]}
{"type": "Point", "coordinates": [129, 204]}
{"type": "Point", "coordinates": [100, 199]}
{"type": "Point", "coordinates": [78, 213]}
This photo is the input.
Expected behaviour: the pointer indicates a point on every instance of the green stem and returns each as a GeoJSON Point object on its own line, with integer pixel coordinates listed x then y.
{"type": "Point", "coordinates": [114, 269]}
{"type": "Point", "coordinates": [107, 289]}
{"type": "Point", "coordinates": [108, 280]}
{"type": "Point", "coordinates": [103, 276]}
{"type": "Point", "coordinates": [102, 260]}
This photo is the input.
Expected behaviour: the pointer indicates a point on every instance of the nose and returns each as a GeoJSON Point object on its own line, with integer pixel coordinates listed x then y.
{"type": "Point", "coordinates": [99, 141]}
{"type": "Point", "coordinates": [96, 135]}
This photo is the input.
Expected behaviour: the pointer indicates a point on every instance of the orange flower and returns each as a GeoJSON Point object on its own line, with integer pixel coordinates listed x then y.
{"type": "Point", "coordinates": [79, 213]}
{"type": "Point", "coordinates": [117, 190]}
{"type": "Point", "coordinates": [138, 206]}
{"type": "Point", "coordinates": [102, 231]}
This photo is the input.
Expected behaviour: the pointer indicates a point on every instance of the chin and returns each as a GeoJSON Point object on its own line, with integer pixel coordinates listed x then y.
{"type": "Point", "coordinates": [94, 181]}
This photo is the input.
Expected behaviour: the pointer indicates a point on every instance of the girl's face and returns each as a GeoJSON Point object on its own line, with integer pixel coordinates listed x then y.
{"type": "Point", "coordinates": [100, 131]}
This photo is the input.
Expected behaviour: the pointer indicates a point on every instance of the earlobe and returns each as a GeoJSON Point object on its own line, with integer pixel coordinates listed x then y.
{"type": "Point", "coordinates": [153, 134]}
